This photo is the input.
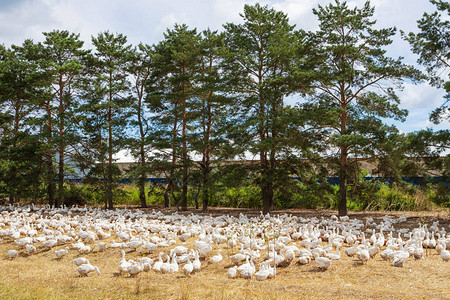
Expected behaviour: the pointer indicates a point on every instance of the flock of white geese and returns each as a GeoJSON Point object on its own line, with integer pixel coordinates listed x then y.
{"type": "Point", "coordinates": [273, 241]}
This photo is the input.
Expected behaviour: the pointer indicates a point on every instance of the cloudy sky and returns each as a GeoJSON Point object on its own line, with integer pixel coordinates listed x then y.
{"type": "Point", "coordinates": [146, 21]}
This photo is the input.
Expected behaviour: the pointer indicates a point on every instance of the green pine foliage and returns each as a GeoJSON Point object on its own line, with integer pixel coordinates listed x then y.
{"type": "Point", "coordinates": [195, 106]}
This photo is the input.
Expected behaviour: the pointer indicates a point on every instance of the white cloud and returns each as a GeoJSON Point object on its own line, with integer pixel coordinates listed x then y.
{"type": "Point", "coordinates": [420, 96]}
{"type": "Point", "coordinates": [299, 13]}
{"type": "Point", "coordinates": [228, 11]}
{"type": "Point", "coordinates": [168, 21]}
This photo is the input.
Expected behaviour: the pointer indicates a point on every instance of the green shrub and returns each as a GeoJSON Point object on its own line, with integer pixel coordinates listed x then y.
{"type": "Point", "coordinates": [310, 195]}
{"type": "Point", "coordinates": [362, 195]}
{"type": "Point", "coordinates": [439, 193]}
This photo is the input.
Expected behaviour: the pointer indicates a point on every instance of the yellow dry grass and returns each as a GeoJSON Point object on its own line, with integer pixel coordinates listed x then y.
{"type": "Point", "coordinates": [42, 276]}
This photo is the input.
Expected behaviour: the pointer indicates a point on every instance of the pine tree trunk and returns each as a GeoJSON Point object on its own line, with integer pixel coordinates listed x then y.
{"type": "Point", "coordinates": [205, 192]}
{"type": "Point", "coordinates": [110, 159]}
{"type": "Point", "coordinates": [267, 195]}
{"type": "Point", "coordinates": [167, 193]}
{"type": "Point", "coordinates": [185, 156]}
{"type": "Point", "coordinates": [142, 179]}
{"type": "Point", "coordinates": [342, 207]}
{"type": "Point", "coordinates": [343, 183]}
{"type": "Point", "coordinates": [142, 197]}
{"type": "Point", "coordinates": [266, 184]}
{"type": "Point", "coordinates": [51, 183]}
{"type": "Point", "coordinates": [110, 181]}
{"type": "Point", "coordinates": [12, 196]}
{"type": "Point", "coordinates": [50, 170]}
{"type": "Point", "coordinates": [60, 198]}
{"type": "Point", "coordinates": [205, 172]}
{"type": "Point", "coordinates": [185, 189]}
{"type": "Point", "coordinates": [61, 125]}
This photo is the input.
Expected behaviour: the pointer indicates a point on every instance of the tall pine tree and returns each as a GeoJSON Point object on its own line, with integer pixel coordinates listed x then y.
{"type": "Point", "coordinates": [354, 83]}
{"type": "Point", "coordinates": [257, 62]}
{"type": "Point", "coordinates": [111, 90]}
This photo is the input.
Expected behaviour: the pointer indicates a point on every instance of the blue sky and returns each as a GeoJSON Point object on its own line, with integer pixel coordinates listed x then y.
{"type": "Point", "coordinates": [146, 21]}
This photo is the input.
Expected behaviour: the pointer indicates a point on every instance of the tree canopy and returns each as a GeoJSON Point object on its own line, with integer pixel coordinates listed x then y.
{"type": "Point", "coordinates": [194, 106]}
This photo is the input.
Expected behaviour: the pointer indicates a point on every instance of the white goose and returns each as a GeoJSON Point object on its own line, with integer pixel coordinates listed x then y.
{"type": "Point", "coordinates": [157, 265]}
{"type": "Point", "coordinates": [263, 272]}
{"type": "Point", "coordinates": [173, 267]}
{"type": "Point", "coordinates": [30, 249]}
{"type": "Point", "coordinates": [50, 243]}
{"type": "Point", "coordinates": [23, 241]}
{"type": "Point", "coordinates": [352, 250]}
{"type": "Point", "coordinates": [418, 251]}
{"type": "Point", "coordinates": [247, 270]}
{"type": "Point", "coordinates": [85, 269]}
{"type": "Point", "coordinates": [101, 246]}
{"type": "Point", "coordinates": [204, 251]}
{"type": "Point", "coordinates": [334, 256]}
{"type": "Point", "coordinates": [197, 264]}
{"type": "Point", "coordinates": [188, 268]}
{"type": "Point", "coordinates": [148, 246]}
{"type": "Point", "coordinates": [237, 258]}
{"type": "Point", "coordinates": [232, 272]}
{"type": "Point", "coordinates": [124, 264]}
{"type": "Point", "coordinates": [62, 252]}
{"type": "Point", "coordinates": [179, 250]}
{"type": "Point", "coordinates": [216, 258]}
{"type": "Point", "coordinates": [165, 267]}
{"type": "Point", "coordinates": [373, 251]}
{"type": "Point", "coordinates": [85, 249]}
{"type": "Point", "coordinates": [135, 269]}
{"type": "Point", "coordinates": [147, 263]}
{"type": "Point", "coordinates": [80, 261]}
{"type": "Point", "coordinates": [363, 254]}
{"type": "Point", "coordinates": [323, 262]}
{"type": "Point", "coordinates": [304, 260]}
{"type": "Point", "coordinates": [445, 255]}
{"type": "Point", "coordinates": [12, 253]}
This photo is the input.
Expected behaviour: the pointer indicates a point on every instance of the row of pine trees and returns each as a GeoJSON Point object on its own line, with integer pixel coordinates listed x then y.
{"type": "Point", "coordinates": [298, 102]}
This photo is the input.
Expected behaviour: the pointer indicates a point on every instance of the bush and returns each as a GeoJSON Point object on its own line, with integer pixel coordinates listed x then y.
{"type": "Point", "coordinates": [308, 195]}
{"type": "Point", "coordinates": [74, 194]}
{"type": "Point", "coordinates": [439, 193]}
{"type": "Point", "coordinates": [362, 195]}
{"type": "Point", "coordinates": [240, 197]}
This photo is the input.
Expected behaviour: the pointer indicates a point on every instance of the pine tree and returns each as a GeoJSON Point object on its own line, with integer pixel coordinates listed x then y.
{"type": "Point", "coordinates": [22, 84]}
{"type": "Point", "coordinates": [111, 90]}
{"type": "Point", "coordinates": [258, 56]}
{"type": "Point", "coordinates": [432, 44]}
{"type": "Point", "coordinates": [176, 61]}
{"type": "Point", "coordinates": [140, 69]}
{"type": "Point", "coordinates": [354, 85]}
{"type": "Point", "coordinates": [64, 57]}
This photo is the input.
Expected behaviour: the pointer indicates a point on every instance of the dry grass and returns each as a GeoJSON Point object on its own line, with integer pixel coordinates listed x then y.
{"type": "Point", "coordinates": [42, 276]}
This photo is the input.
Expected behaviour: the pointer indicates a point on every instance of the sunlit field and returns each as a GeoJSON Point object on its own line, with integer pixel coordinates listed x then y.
{"type": "Point", "coordinates": [41, 275]}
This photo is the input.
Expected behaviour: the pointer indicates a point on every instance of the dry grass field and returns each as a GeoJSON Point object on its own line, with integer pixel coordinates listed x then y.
{"type": "Point", "coordinates": [42, 276]}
